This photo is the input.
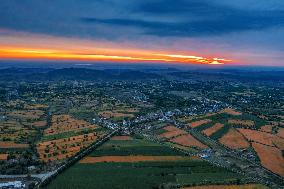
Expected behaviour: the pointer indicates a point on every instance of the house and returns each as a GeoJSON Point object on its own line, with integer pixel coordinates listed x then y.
{"type": "Point", "coordinates": [12, 184]}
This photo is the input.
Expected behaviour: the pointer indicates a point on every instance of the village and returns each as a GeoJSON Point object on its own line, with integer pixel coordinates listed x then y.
{"type": "Point", "coordinates": [47, 128]}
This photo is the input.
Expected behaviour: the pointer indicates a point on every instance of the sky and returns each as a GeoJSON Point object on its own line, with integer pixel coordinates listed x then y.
{"type": "Point", "coordinates": [236, 32]}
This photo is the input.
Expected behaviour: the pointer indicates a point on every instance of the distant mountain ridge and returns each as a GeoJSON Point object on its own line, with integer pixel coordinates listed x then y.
{"type": "Point", "coordinates": [30, 74]}
{"type": "Point", "coordinates": [85, 74]}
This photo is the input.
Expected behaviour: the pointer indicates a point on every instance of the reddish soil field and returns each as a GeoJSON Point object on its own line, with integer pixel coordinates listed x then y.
{"type": "Point", "coordinates": [230, 111]}
{"type": "Point", "coordinates": [39, 124]}
{"type": "Point", "coordinates": [172, 132]}
{"type": "Point", "coordinates": [263, 138]}
{"type": "Point", "coordinates": [3, 157]}
{"type": "Point", "coordinates": [121, 138]}
{"type": "Point", "coordinates": [209, 114]}
{"type": "Point", "coordinates": [279, 143]}
{"type": "Point", "coordinates": [198, 123]}
{"type": "Point", "coordinates": [266, 128]}
{"type": "Point", "coordinates": [170, 128]}
{"type": "Point", "coordinates": [270, 157]}
{"type": "Point", "coordinates": [213, 129]}
{"type": "Point", "coordinates": [64, 148]}
{"type": "Point", "coordinates": [8, 144]}
{"type": "Point", "coordinates": [234, 140]}
{"type": "Point", "coordinates": [188, 141]}
{"type": "Point", "coordinates": [134, 159]}
{"type": "Point", "coordinates": [281, 132]}
{"type": "Point", "coordinates": [65, 123]}
{"type": "Point", "coordinates": [246, 123]}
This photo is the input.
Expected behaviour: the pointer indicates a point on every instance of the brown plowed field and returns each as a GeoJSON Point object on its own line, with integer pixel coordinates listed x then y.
{"type": "Point", "coordinates": [198, 123]}
{"type": "Point", "coordinates": [39, 124]}
{"type": "Point", "coordinates": [3, 157]}
{"type": "Point", "coordinates": [188, 140]}
{"type": "Point", "coordinates": [230, 111]}
{"type": "Point", "coordinates": [170, 128]}
{"type": "Point", "coordinates": [270, 157]}
{"type": "Point", "coordinates": [266, 128]}
{"type": "Point", "coordinates": [213, 129]}
{"type": "Point", "coordinates": [263, 138]}
{"type": "Point", "coordinates": [281, 132]}
{"type": "Point", "coordinates": [172, 132]}
{"type": "Point", "coordinates": [234, 140]}
{"type": "Point", "coordinates": [8, 144]}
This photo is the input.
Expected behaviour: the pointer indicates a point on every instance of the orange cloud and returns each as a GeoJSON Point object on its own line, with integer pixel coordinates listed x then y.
{"type": "Point", "coordinates": [19, 45]}
{"type": "Point", "coordinates": [104, 55]}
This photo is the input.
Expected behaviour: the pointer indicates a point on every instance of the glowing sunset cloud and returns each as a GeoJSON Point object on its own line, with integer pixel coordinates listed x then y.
{"type": "Point", "coordinates": [251, 34]}
{"type": "Point", "coordinates": [106, 55]}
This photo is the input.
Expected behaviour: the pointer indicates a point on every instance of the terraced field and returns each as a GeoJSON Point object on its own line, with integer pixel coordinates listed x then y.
{"type": "Point", "coordinates": [138, 163]}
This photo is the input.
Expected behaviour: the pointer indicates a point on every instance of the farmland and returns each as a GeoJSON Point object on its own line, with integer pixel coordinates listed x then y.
{"type": "Point", "coordinates": [213, 129]}
{"type": "Point", "coordinates": [170, 133]}
{"type": "Point", "coordinates": [234, 140]}
{"type": "Point", "coordinates": [246, 123]}
{"type": "Point", "coordinates": [20, 126]}
{"type": "Point", "coordinates": [263, 138]}
{"type": "Point", "coordinates": [198, 123]}
{"type": "Point", "coordinates": [188, 140]}
{"type": "Point", "coordinates": [3, 157]}
{"type": "Point", "coordinates": [31, 135]}
{"type": "Point", "coordinates": [238, 131]}
{"type": "Point", "coordinates": [64, 148]}
{"type": "Point", "coordinates": [112, 164]}
{"type": "Point", "coordinates": [66, 137]}
{"type": "Point", "coordinates": [117, 111]}
{"type": "Point", "coordinates": [179, 138]}
{"type": "Point", "coordinates": [65, 123]}
{"type": "Point", "coordinates": [270, 157]}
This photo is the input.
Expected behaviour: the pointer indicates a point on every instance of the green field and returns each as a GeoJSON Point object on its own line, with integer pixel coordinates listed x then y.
{"type": "Point", "coordinates": [133, 147]}
{"type": "Point", "coordinates": [140, 175]}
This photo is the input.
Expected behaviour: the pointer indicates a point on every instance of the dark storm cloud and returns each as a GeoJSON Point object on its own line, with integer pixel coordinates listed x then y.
{"type": "Point", "coordinates": [195, 18]}
{"type": "Point", "coordinates": [226, 24]}
{"type": "Point", "coordinates": [179, 7]}
{"type": "Point", "coordinates": [179, 18]}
